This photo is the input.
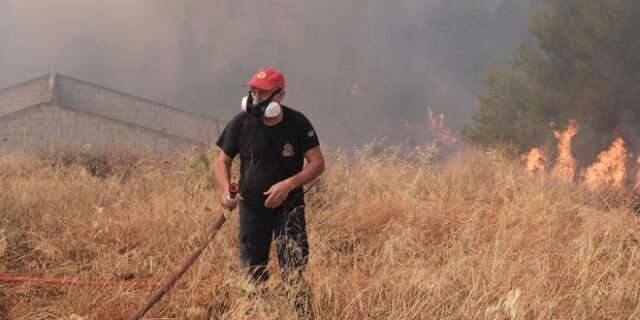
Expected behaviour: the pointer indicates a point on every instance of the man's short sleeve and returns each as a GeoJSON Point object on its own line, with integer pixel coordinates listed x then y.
{"type": "Point", "coordinates": [309, 137]}
{"type": "Point", "coordinates": [228, 140]}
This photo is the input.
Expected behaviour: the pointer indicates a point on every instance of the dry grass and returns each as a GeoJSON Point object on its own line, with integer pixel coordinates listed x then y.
{"type": "Point", "coordinates": [471, 238]}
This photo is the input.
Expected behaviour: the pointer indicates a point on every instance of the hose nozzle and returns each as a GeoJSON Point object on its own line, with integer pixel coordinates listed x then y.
{"type": "Point", "coordinates": [233, 190]}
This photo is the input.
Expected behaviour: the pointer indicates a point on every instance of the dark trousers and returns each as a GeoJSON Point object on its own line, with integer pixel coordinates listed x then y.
{"type": "Point", "coordinates": [257, 229]}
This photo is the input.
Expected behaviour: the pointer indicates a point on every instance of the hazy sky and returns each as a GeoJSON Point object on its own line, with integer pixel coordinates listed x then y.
{"type": "Point", "coordinates": [358, 68]}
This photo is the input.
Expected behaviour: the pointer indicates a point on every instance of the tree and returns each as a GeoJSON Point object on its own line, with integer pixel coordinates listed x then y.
{"type": "Point", "coordinates": [585, 65]}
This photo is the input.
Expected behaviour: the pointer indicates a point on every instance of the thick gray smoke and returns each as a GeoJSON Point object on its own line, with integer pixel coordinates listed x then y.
{"type": "Point", "coordinates": [358, 68]}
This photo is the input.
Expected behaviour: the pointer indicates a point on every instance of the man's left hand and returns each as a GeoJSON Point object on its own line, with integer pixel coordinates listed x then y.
{"type": "Point", "coordinates": [277, 194]}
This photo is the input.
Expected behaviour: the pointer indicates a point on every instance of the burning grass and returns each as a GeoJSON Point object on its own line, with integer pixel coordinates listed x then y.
{"type": "Point", "coordinates": [610, 171]}
{"type": "Point", "coordinates": [472, 237]}
{"type": "Point", "coordinates": [565, 167]}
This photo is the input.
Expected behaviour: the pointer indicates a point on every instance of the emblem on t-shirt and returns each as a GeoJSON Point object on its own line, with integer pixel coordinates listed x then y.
{"type": "Point", "coordinates": [288, 150]}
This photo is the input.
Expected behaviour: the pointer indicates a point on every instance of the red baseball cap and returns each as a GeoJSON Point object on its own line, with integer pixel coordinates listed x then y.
{"type": "Point", "coordinates": [267, 79]}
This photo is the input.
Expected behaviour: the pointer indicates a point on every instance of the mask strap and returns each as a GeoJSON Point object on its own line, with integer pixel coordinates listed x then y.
{"type": "Point", "coordinates": [273, 94]}
{"type": "Point", "coordinates": [249, 99]}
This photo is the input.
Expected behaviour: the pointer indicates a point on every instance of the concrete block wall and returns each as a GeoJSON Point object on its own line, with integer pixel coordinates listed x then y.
{"type": "Point", "coordinates": [49, 124]}
{"type": "Point", "coordinates": [25, 95]}
{"type": "Point", "coordinates": [109, 103]}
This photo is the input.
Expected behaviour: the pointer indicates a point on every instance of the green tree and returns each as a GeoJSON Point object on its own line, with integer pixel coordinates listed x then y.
{"type": "Point", "coordinates": [585, 65]}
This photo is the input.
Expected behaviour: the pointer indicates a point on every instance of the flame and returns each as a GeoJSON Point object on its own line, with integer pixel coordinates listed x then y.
{"type": "Point", "coordinates": [436, 127]}
{"type": "Point", "coordinates": [535, 161]}
{"type": "Point", "coordinates": [610, 169]}
{"type": "Point", "coordinates": [356, 91]}
{"type": "Point", "coordinates": [565, 166]}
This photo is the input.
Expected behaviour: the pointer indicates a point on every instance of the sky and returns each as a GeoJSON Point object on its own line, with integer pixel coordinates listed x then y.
{"type": "Point", "coordinates": [359, 69]}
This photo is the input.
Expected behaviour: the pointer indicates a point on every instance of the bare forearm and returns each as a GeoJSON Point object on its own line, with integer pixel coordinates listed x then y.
{"type": "Point", "coordinates": [223, 175]}
{"type": "Point", "coordinates": [311, 171]}
{"type": "Point", "coordinates": [279, 191]}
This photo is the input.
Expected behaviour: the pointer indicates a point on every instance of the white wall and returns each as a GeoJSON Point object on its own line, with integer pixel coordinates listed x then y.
{"type": "Point", "coordinates": [109, 103]}
{"type": "Point", "coordinates": [25, 95]}
{"type": "Point", "coordinates": [52, 125]}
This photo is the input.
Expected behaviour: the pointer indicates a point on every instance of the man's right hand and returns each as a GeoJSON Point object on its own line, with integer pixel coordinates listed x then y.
{"type": "Point", "coordinates": [229, 203]}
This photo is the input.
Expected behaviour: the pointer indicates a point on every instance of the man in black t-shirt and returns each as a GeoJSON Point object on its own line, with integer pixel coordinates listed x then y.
{"type": "Point", "coordinates": [273, 141]}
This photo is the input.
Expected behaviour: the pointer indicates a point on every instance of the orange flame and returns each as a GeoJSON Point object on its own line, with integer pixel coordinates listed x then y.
{"type": "Point", "coordinates": [356, 91]}
{"type": "Point", "coordinates": [565, 166]}
{"type": "Point", "coordinates": [535, 161]}
{"type": "Point", "coordinates": [438, 130]}
{"type": "Point", "coordinates": [610, 169]}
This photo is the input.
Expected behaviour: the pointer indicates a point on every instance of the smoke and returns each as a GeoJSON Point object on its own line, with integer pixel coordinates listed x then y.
{"type": "Point", "coordinates": [359, 69]}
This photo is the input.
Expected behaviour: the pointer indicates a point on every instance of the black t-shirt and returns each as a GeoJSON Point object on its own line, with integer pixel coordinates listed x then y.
{"type": "Point", "coordinates": [259, 167]}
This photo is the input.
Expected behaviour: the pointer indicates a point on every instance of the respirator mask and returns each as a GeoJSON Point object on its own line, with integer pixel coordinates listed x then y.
{"type": "Point", "coordinates": [259, 108]}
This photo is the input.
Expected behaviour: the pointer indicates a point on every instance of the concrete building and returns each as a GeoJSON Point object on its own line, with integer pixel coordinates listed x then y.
{"type": "Point", "coordinates": [60, 111]}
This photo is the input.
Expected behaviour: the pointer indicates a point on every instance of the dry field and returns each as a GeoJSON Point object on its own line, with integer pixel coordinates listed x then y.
{"type": "Point", "coordinates": [467, 238]}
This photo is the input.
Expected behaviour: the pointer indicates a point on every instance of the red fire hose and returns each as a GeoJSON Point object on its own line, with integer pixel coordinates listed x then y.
{"type": "Point", "coordinates": [170, 281]}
